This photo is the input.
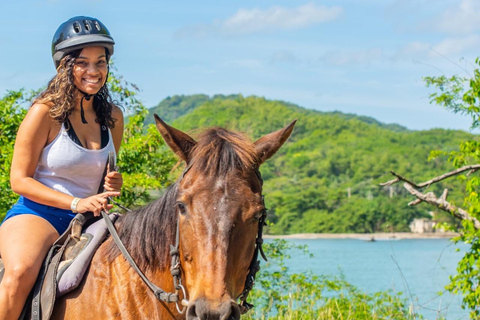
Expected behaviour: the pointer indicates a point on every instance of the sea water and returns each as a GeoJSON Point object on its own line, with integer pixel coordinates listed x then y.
{"type": "Point", "coordinates": [419, 268]}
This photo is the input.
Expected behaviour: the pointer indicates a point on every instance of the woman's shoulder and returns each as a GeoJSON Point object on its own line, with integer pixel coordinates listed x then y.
{"type": "Point", "coordinates": [117, 114]}
{"type": "Point", "coordinates": [38, 123]}
{"type": "Point", "coordinates": [40, 109]}
{"type": "Point", "coordinates": [40, 113]}
{"type": "Point", "coordinates": [116, 111]}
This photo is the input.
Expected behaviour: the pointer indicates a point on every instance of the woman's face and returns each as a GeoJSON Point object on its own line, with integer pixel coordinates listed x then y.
{"type": "Point", "coordinates": [90, 69]}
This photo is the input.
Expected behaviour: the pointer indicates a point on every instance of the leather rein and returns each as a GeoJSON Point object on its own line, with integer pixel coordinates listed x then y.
{"type": "Point", "coordinates": [175, 269]}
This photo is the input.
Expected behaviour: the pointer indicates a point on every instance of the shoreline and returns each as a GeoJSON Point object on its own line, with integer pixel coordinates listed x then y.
{"type": "Point", "coordinates": [366, 236]}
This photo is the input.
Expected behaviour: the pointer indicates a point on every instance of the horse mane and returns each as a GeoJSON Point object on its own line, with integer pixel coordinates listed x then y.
{"type": "Point", "coordinates": [148, 232]}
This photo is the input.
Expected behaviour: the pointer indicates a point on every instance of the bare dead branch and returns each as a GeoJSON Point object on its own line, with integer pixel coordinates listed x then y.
{"type": "Point", "coordinates": [471, 172]}
{"type": "Point", "coordinates": [389, 183]}
{"type": "Point", "coordinates": [430, 197]}
{"type": "Point", "coordinates": [471, 169]}
{"type": "Point", "coordinates": [444, 195]}
{"type": "Point", "coordinates": [404, 179]}
{"type": "Point", "coordinates": [442, 204]}
{"type": "Point", "coordinates": [474, 167]}
{"type": "Point", "coordinates": [414, 202]}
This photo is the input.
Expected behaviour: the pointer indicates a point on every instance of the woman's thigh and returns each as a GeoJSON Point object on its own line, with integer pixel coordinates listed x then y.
{"type": "Point", "coordinates": [24, 242]}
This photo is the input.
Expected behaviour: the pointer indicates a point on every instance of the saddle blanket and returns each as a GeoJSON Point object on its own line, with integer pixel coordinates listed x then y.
{"type": "Point", "coordinates": [78, 254]}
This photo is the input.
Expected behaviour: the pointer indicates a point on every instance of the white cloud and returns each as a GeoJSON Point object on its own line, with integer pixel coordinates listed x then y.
{"type": "Point", "coordinates": [283, 57]}
{"type": "Point", "coordinates": [451, 46]}
{"type": "Point", "coordinates": [448, 47]}
{"type": "Point", "coordinates": [257, 20]}
{"type": "Point", "coordinates": [244, 64]}
{"type": "Point", "coordinates": [412, 50]}
{"type": "Point", "coordinates": [463, 19]}
{"type": "Point", "coordinates": [445, 48]}
{"type": "Point", "coordinates": [248, 21]}
{"type": "Point", "coordinates": [356, 57]}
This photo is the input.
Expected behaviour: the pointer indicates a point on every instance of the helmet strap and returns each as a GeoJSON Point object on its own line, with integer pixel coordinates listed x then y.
{"type": "Point", "coordinates": [82, 112]}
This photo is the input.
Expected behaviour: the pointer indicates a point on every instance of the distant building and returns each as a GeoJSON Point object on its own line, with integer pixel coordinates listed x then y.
{"type": "Point", "coordinates": [422, 225]}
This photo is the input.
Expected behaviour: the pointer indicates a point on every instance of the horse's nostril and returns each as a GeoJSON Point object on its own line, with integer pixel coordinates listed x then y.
{"type": "Point", "coordinates": [202, 309]}
{"type": "Point", "coordinates": [191, 313]}
{"type": "Point", "coordinates": [234, 312]}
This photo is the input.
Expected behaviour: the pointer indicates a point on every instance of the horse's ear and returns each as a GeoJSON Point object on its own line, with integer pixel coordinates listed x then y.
{"type": "Point", "coordinates": [180, 142]}
{"type": "Point", "coordinates": [269, 144]}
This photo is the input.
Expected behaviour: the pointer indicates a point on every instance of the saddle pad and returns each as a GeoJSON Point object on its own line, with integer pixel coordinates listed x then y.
{"type": "Point", "coordinates": [77, 258]}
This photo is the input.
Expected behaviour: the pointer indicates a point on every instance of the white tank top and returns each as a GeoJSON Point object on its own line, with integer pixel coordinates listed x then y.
{"type": "Point", "coordinates": [68, 167]}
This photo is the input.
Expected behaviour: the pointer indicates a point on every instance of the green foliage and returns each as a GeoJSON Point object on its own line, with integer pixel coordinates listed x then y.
{"type": "Point", "coordinates": [11, 115]}
{"type": "Point", "coordinates": [458, 94]}
{"type": "Point", "coordinates": [174, 107]}
{"type": "Point", "coordinates": [282, 295]}
{"type": "Point", "coordinates": [462, 95]}
{"type": "Point", "coordinates": [325, 178]}
{"type": "Point", "coordinates": [144, 160]}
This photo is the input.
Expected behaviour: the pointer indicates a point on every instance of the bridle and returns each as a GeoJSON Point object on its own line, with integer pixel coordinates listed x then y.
{"type": "Point", "coordinates": [255, 263]}
{"type": "Point", "coordinates": [175, 269]}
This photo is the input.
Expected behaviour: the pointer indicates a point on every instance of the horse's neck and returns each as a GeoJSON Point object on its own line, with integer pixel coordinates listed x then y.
{"type": "Point", "coordinates": [111, 287]}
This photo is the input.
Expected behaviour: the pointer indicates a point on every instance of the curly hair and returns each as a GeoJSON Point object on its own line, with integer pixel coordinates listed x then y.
{"type": "Point", "coordinates": [60, 95]}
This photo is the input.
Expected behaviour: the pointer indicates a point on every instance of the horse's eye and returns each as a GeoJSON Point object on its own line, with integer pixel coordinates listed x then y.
{"type": "Point", "coordinates": [258, 214]}
{"type": "Point", "coordinates": [181, 208]}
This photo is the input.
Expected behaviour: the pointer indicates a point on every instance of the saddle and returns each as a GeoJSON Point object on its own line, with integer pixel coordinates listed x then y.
{"type": "Point", "coordinates": [65, 265]}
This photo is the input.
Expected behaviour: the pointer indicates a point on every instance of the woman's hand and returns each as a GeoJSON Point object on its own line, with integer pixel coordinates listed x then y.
{"type": "Point", "coordinates": [96, 203]}
{"type": "Point", "coordinates": [113, 181]}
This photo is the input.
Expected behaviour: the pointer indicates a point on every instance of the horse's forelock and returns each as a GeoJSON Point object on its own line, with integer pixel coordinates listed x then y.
{"type": "Point", "coordinates": [219, 151]}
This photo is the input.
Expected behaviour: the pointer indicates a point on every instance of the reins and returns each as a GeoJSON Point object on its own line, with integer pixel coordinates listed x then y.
{"type": "Point", "coordinates": [175, 269]}
{"type": "Point", "coordinates": [159, 293]}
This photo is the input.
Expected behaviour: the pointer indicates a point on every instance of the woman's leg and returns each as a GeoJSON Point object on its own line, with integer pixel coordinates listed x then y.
{"type": "Point", "coordinates": [24, 242]}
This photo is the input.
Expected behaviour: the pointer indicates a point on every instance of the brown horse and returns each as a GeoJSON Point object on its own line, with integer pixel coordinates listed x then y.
{"type": "Point", "coordinates": [217, 203]}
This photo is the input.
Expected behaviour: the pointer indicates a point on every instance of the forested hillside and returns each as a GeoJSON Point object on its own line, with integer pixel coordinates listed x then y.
{"type": "Point", "coordinates": [325, 179]}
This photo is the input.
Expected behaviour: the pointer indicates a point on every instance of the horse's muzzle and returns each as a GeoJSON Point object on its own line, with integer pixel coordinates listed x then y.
{"type": "Point", "coordinates": [202, 309]}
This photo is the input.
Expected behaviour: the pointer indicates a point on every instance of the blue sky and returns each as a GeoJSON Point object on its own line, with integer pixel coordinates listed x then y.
{"type": "Point", "coordinates": [356, 56]}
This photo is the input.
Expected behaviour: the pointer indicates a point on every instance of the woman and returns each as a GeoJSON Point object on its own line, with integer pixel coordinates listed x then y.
{"type": "Point", "coordinates": [59, 158]}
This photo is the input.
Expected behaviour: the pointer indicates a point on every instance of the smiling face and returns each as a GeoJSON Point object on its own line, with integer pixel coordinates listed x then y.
{"type": "Point", "coordinates": [90, 69]}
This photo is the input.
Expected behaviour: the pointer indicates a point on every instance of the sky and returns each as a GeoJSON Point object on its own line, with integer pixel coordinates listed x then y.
{"type": "Point", "coordinates": [366, 57]}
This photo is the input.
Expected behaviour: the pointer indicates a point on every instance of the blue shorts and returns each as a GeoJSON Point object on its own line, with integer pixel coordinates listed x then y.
{"type": "Point", "coordinates": [58, 218]}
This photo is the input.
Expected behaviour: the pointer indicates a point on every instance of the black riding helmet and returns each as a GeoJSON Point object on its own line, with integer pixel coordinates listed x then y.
{"type": "Point", "coordinates": [80, 32]}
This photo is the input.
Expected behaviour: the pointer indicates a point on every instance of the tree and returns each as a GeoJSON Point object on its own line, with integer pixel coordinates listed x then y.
{"type": "Point", "coordinates": [144, 159]}
{"type": "Point", "coordinates": [459, 95]}
{"type": "Point", "coordinates": [11, 115]}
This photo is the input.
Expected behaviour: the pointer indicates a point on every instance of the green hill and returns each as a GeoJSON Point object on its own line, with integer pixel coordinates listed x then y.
{"type": "Point", "coordinates": [173, 107]}
{"type": "Point", "coordinates": [325, 179]}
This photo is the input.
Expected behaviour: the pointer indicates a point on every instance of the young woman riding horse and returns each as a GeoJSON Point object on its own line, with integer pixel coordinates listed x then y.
{"type": "Point", "coordinates": [215, 209]}
{"type": "Point", "coordinates": [60, 154]}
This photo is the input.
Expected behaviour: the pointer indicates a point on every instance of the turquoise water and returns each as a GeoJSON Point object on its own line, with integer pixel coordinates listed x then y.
{"type": "Point", "coordinates": [420, 268]}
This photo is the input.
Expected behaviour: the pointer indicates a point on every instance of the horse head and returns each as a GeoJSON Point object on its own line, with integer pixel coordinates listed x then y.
{"type": "Point", "coordinates": [219, 205]}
